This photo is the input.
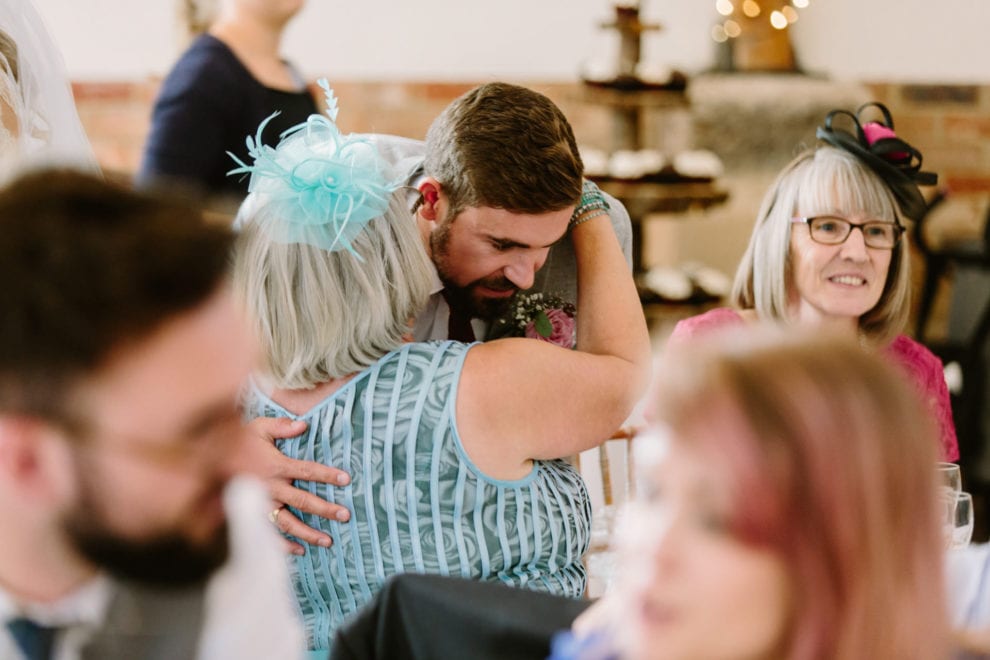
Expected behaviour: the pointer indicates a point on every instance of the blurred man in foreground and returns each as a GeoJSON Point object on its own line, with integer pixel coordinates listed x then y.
{"type": "Point", "coordinates": [121, 358]}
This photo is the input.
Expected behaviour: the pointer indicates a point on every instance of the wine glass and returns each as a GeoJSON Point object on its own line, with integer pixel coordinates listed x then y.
{"type": "Point", "coordinates": [949, 476]}
{"type": "Point", "coordinates": [947, 507]}
{"type": "Point", "coordinates": [962, 519]}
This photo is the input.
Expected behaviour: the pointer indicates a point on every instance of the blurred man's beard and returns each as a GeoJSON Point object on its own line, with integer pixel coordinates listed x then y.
{"type": "Point", "coordinates": [466, 298]}
{"type": "Point", "coordinates": [166, 559]}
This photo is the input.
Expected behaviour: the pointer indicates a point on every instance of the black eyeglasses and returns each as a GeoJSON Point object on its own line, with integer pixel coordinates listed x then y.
{"type": "Point", "coordinates": [831, 230]}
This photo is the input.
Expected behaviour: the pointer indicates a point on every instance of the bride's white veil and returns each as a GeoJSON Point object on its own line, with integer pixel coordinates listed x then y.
{"type": "Point", "coordinates": [39, 124]}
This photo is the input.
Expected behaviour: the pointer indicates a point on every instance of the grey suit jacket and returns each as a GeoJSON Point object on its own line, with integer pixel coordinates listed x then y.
{"type": "Point", "coordinates": [149, 624]}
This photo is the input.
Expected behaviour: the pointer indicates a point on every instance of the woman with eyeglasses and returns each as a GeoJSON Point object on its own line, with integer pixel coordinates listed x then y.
{"type": "Point", "coordinates": [829, 250]}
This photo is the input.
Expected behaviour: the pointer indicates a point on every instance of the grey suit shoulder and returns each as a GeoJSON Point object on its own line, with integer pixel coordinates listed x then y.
{"type": "Point", "coordinates": [145, 623]}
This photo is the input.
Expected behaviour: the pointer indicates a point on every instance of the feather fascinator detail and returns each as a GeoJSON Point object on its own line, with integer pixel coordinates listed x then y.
{"type": "Point", "coordinates": [322, 186]}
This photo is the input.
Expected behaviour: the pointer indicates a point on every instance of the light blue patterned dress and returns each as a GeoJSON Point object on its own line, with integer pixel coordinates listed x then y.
{"type": "Point", "coordinates": [418, 504]}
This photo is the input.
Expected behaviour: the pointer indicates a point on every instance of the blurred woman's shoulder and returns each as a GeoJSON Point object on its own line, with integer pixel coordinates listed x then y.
{"type": "Point", "coordinates": [710, 321]}
{"type": "Point", "coordinates": [928, 375]}
{"type": "Point", "coordinates": [206, 58]}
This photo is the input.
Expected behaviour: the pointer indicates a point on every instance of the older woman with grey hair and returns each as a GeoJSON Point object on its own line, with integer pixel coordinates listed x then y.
{"type": "Point", "coordinates": [454, 449]}
{"type": "Point", "coordinates": [829, 250]}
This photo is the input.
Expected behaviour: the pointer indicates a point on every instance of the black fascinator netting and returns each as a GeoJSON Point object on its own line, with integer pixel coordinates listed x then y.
{"type": "Point", "coordinates": [875, 144]}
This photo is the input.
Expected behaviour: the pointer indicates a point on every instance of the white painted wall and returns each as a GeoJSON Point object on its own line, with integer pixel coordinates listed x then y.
{"type": "Point", "coordinates": [897, 40]}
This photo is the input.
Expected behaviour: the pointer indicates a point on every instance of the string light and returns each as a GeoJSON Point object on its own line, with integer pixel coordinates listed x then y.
{"type": "Point", "coordinates": [778, 20]}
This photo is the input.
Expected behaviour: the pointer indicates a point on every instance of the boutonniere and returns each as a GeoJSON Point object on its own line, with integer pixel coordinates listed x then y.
{"type": "Point", "coordinates": [548, 318]}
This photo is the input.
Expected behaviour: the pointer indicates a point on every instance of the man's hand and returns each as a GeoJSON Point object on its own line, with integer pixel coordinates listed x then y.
{"type": "Point", "coordinates": [280, 471]}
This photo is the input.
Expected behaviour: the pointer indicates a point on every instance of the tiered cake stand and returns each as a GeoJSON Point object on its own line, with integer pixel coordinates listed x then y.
{"type": "Point", "coordinates": [629, 98]}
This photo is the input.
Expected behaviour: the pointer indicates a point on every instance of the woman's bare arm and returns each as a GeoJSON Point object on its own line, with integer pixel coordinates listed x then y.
{"type": "Point", "coordinates": [522, 399]}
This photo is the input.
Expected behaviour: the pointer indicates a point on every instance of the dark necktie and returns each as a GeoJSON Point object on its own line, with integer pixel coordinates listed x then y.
{"type": "Point", "coordinates": [459, 327]}
{"type": "Point", "coordinates": [35, 641]}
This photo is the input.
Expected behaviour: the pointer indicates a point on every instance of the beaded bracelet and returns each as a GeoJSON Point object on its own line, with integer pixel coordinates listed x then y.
{"type": "Point", "coordinates": [591, 200]}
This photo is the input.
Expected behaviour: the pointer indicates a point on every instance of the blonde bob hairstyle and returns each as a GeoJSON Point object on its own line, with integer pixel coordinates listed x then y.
{"type": "Point", "coordinates": [828, 462]}
{"type": "Point", "coordinates": [819, 181]}
{"type": "Point", "coordinates": [322, 315]}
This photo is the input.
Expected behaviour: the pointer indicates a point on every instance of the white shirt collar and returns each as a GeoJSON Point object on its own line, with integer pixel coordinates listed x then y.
{"type": "Point", "coordinates": [87, 605]}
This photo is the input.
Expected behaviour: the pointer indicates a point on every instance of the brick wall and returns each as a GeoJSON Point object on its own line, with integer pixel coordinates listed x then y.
{"type": "Point", "coordinates": [116, 115]}
{"type": "Point", "coordinates": [950, 124]}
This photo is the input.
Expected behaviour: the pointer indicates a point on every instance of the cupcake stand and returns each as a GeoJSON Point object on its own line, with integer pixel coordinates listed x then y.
{"type": "Point", "coordinates": [629, 92]}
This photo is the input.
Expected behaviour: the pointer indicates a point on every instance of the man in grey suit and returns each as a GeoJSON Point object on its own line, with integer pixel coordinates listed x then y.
{"type": "Point", "coordinates": [122, 354]}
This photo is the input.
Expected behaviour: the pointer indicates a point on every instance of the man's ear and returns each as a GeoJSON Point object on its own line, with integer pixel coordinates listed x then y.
{"type": "Point", "coordinates": [429, 191]}
{"type": "Point", "coordinates": [32, 460]}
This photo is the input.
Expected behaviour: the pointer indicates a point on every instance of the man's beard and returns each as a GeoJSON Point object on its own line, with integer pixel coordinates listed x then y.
{"type": "Point", "coordinates": [466, 298]}
{"type": "Point", "coordinates": [167, 559]}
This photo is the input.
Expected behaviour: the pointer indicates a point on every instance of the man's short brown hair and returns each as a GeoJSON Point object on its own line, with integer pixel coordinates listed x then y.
{"type": "Point", "coordinates": [507, 147]}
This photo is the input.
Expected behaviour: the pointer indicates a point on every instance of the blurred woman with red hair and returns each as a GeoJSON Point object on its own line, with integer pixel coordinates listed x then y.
{"type": "Point", "coordinates": [787, 509]}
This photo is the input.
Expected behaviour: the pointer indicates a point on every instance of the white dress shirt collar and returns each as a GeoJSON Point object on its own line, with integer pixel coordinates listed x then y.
{"type": "Point", "coordinates": [79, 615]}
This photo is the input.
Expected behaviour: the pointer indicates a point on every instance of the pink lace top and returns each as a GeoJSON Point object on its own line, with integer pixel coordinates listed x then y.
{"type": "Point", "coordinates": [924, 368]}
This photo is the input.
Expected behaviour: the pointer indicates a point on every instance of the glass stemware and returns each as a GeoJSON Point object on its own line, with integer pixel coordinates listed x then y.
{"type": "Point", "coordinates": [947, 508]}
{"type": "Point", "coordinates": [962, 528]}
{"type": "Point", "coordinates": [949, 476]}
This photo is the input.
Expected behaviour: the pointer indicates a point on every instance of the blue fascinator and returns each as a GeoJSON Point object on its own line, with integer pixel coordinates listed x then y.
{"type": "Point", "coordinates": [322, 187]}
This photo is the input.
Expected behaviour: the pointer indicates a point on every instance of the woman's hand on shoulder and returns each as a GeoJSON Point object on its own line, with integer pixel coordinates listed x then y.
{"type": "Point", "coordinates": [280, 471]}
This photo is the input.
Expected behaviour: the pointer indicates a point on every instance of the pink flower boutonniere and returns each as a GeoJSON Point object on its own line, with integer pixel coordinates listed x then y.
{"type": "Point", "coordinates": [544, 317]}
